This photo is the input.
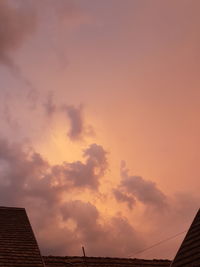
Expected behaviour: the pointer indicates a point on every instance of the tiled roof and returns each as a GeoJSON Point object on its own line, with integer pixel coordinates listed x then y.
{"type": "Point", "coordinates": [52, 261]}
{"type": "Point", "coordinates": [18, 246]}
{"type": "Point", "coordinates": [188, 254]}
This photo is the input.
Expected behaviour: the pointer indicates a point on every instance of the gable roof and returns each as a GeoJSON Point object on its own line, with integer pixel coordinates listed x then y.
{"type": "Point", "coordinates": [18, 246]}
{"type": "Point", "coordinates": [52, 261]}
{"type": "Point", "coordinates": [188, 254]}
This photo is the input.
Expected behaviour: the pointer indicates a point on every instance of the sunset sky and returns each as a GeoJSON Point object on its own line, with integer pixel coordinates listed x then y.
{"type": "Point", "coordinates": [99, 122]}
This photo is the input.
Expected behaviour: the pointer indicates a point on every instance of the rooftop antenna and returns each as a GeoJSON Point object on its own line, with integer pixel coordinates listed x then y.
{"type": "Point", "coordinates": [84, 256]}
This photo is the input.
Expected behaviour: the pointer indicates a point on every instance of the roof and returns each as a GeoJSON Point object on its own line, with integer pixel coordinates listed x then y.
{"type": "Point", "coordinates": [18, 246]}
{"type": "Point", "coordinates": [188, 254]}
{"type": "Point", "coordinates": [52, 261]}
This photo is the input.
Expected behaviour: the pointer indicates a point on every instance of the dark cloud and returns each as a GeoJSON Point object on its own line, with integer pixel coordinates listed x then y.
{"type": "Point", "coordinates": [28, 180]}
{"type": "Point", "coordinates": [78, 130]}
{"type": "Point", "coordinates": [124, 197]}
{"type": "Point", "coordinates": [76, 122]}
{"type": "Point", "coordinates": [26, 174]}
{"type": "Point", "coordinates": [143, 190]}
{"type": "Point", "coordinates": [87, 174]}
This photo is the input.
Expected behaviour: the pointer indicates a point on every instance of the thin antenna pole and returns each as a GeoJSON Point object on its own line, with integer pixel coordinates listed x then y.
{"type": "Point", "coordinates": [83, 249]}
{"type": "Point", "coordinates": [84, 256]}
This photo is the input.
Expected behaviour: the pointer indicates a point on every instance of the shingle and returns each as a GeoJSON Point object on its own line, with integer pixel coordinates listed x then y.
{"type": "Point", "coordinates": [188, 254]}
{"type": "Point", "coordinates": [18, 246]}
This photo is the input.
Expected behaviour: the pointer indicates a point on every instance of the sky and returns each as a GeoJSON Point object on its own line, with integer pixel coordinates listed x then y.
{"type": "Point", "coordinates": [99, 128]}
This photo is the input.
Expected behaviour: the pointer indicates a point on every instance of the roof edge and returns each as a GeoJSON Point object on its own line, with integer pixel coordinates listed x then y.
{"type": "Point", "coordinates": [18, 208]}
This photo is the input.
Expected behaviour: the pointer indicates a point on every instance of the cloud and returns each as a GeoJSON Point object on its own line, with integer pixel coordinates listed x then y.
{"type": "Point", "coordinates": [63, 222]}
{"type": "Point", "coordinates": [82, 224]}
{"type": "Point", "coordinates": [89, 173]}
{"type": "Point", "coordinates": [76, 122]}
{"type": "Point", "coordinates": [78, 130]}
{"type": "Point", "coordinates": [124, 197]}
{"type": "Point", "coordinates": [115, 237]}
{"type": "Point", "coordinates": [25, 174]}
{"type": "Point", "coordinates": [174, 213]}
{"type": "Point", "coordinates": [28, 180]}
{"type": "Point", "coordinates": [143, 190]}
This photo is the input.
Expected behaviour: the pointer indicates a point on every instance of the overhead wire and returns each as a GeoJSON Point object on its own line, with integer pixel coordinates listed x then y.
{"type": "Point", "coordinates": [157, 244]}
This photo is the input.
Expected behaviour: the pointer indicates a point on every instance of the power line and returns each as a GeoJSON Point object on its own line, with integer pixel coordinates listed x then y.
{"type": "Point", "coordinates": [158, 243]}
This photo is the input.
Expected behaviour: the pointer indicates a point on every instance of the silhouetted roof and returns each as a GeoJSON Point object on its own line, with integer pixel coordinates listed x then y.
{"type": "Point", "coordinates": [53, 261]}
{"type": "Point", "coordinates": [188, 254]}
{"type": "Point", "coordinates": [18, 246]}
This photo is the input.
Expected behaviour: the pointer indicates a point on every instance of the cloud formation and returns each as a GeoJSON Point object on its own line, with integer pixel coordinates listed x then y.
{"type": "Point", "coordinates": [145, 191]}
{"type": "Point", "coordinates": [113, 238]}
{"type": "Point", "coordinates": [124, 197]}
{"type": "Point", "coordinates": [87, 174]}
{"type": "Point", "coordinates": [27, 179]}
{"type": "Point", "coordinates": [78, 130]}
{"type": "Point", "coordinates": [26, 173]}
{"type": "Point", "coordinates": [76, 122]}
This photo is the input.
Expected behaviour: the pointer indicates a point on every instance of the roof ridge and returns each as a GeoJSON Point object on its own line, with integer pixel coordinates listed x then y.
{"type": "Point", "coordinates": [99, 257]}
{"type": "Point", "coordinates": [4, 207]}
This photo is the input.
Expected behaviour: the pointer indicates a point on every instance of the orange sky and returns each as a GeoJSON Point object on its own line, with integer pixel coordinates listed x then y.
{"type": "Point", "coordinates": [119, 74]}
